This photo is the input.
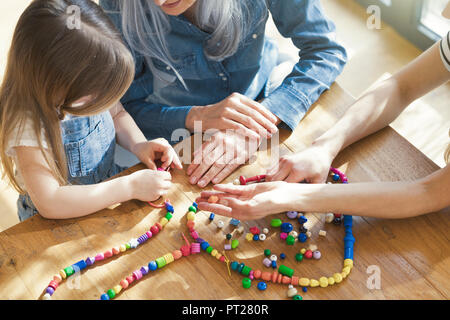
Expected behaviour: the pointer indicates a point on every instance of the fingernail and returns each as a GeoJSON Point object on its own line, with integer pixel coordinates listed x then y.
{"type": "Point", "coordinates": [193, 180]}
{"type": "Point", "coordinates": [202, 183]}
{"type": "Point", "coordinates": [215, 180]}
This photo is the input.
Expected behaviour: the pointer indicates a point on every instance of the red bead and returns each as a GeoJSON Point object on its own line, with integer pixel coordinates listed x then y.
{"type": "Point", "coordinates": [108, 254]}
{"type": "Point", "coordinates": [159, 226]}
{"type": "Point", "coordinates": [308, 254]}
{"type": "Point", "coordinates": [53, 284]}
{"type": "Point", "coordinates": [190, 224]}
{"type": "Point", "coordinates": [154, 229]}
{"type": "Point", "coordinates": [255, 230]}
{"type": "Point", "coordinates": [338, 215]}
{"type": "Point", "coordinates": [130, 279]}
{"type": "Point", "coordinates": [185, 250]}
{"type": "Point", "coordinates": [222, 259]}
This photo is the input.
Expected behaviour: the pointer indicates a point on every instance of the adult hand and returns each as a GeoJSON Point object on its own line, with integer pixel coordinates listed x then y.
{"type": "Point", "coordinates": [220, 156]}
{"type": "Point", "coordinates": [149, 151]}
{"type": "Point", "coordinates": [236, 112]}
{"type": "Point", "coordinates": [249, 202]}
{"type": "Point", "coordinates": [310, 165]}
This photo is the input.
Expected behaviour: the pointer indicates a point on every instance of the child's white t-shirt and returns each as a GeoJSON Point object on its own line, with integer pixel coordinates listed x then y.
{"type": "Point", "coordinates": [445, 50]}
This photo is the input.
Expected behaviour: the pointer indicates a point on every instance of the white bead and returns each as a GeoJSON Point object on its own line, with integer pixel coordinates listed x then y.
{"type": "Point", "coordinates": [291, 292]}
{"type": "Point", "coordinates": [47, 297]}
{"type": "Point", "coordinates": [236, 182]}
{"type": "Point", "coordinates": [220, 224]}
{"type": "Point", "coordinates": [273, 257]}
{"type": "Point", "coordinates": [293, 233]}
{"type": "Point", "coordinates": [322, 233]}
{"type": "Point", "coordinates": [312, 247]}
{"type": "Point", "coordinates": [240, 229]}
{"type": "Point", "coordinates": [134, 243]}
{"type": "Point", "coordinates": [308, 234]}
{"type": "Point", "coordinates": [329, 217]}
{"type": "Point", "coordinates": [262, 236]}
{"type": "Point", "coordinates": [265, 231]}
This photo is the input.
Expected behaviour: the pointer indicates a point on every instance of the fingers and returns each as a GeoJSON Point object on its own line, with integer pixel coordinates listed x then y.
{"type": "Point", "coordinates": [241, 129]}
{"type": "Point", "coordinates": [280, 175]}
{"type": "Point", "coordinates": [232, 189]}
{"type": "Point", "coordinates": [227, 170]}
{"type": "Point", "coordinates": [260, 108]}
{"type": "Point", "coordinates": [240, 115]}
{"type": "Point", "coordinates": [213, 171]}
{"type": "Point", "coordinates": [216, 208]}
{"type": "Point", "coordinates": [150, 164]}
{"type": "Point", "coordinates": [206, 148]}
{"type": "Point", "coordinates": [207, 162]}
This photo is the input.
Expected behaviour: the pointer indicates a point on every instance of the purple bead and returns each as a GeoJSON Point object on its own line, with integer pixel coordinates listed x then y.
{"type": "Point", "coordinates": [199, 240]}
{"type": "Point", "coordinates": [292, 214]}
{"type": "Point", "coordinates": [50, 290]}
{"type": "Point", "coordinates": [143, 238]}
{"type": "Point", "coordinates": [90, 261]}
{"type": "Point", "coordinates": [317, 254]}
{"type": "Point", "coordinates": [144, 270]}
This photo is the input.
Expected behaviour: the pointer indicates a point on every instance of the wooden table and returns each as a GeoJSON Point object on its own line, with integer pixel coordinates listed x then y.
{"type": "Point", "coordinates": [412, 254]}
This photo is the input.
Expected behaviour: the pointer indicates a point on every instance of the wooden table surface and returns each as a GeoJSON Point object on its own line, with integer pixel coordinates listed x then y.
{"type": "Point", "coordinates": [412, 254]}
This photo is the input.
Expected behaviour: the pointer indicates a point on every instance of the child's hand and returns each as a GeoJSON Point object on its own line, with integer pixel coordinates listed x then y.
{"type": "Point", "coordinates": [150, 151]}
{"type": "Point", "coordinates": [148, 185]}
{"type": "Point", "coordinates": [249, 202]}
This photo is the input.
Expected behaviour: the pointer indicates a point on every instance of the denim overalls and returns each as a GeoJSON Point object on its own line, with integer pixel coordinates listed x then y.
{"type": "Point", "coordinates": [89, 144]}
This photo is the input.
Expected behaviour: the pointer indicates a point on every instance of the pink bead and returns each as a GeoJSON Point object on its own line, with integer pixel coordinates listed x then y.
{"type": "Point", "coordinates": [283, 235]}
{"type": "Point", "coordinates": [190, 224]}
{"type": "Point", "coordinates": [137, 274]}
{"type": "Point", "coordinates": [227, 246]}
{"type": "Point", "coordinates": [107, 254]}
{"type": "Point", "coordinates": [194, 235]}
{"type": "Point", "coordinates": [99, 257]}
{"type": "Point", "coordinates": [177, 254]}
{"type": "Point", "coordinates": [195, 247]}
{"type": "Point", "coordinates": [149, 234]}
{"type": "Point", "coordinates": [251, 275]}
{"type": "Point", "coordinates": [124, 284]}
{"type": "Point", "coordinates": [160, 169]}
{"type": "Point", "coordinates": [222, 259]}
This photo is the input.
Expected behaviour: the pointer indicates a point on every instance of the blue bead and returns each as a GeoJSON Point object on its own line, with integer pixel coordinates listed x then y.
{"type": "Point", "coordinates": [305, 289]}
{"type": "Point", "coordinates": [211, 216]}
{"type": "Point", "coordinates": [302, 220]}
{"type": "Point", "coordinates": [204, 245]}
{"type": "Point", "coordinates": [240, 267]}
{"type": "Point", "coordinates": [282, 256]}
{"type": "Point", "coordinates": [195, 205]}
{"type": "Point", "coordinates": [256, 237]}
{"type": "Point", "coordinates": [262, 285]}
{"type": "Point", "coordinates": [302, 237]}
{"type": "Point", "coordinates": [274, 264]}
{"type": "Point", "coordinates": [80, 265]}
{"type": "Point", "coordinates": [152, 266]}
{"type": "Point", "coordinates": [169, 207]}
{"type": "Point", "coordinates": [336, 177]}
{"type": "Point", "coordinates": [286, 227]}
{"type": "Point", "coordinates": [104, 297]}
{"type": "Point", "coordinates": [234, 265]}
{"type": "Point", "coordinates": [234, 222]}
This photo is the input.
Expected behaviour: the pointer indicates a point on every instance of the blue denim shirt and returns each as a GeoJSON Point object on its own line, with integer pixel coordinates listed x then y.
{"type": "Point", "coordinates": [160, 109]}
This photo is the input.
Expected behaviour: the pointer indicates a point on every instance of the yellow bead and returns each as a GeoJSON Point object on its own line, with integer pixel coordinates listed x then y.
{"type": "Point", "coordinates": [314, 283]}
{"type": "Point", "coordinates": [117, 289]}
{"type": "Point", "coordinates": [123, 248]}
{"type": "Point", "coordinates": [163, 221]}
{"type": "Point", "coordinates": [323, 281]}
{"type": "Point", "coordinates": [302, 251]}
{"type": "Point", "coordinates": [337, 277]}
{"type": "Point", "coordinates": [214, 252]}
{"type": "Point", "coordinates": [344, 275]}
{"type": "Point", "coordinates": [191, 216]}
{"type": "Point", "coordinates": [303, 282]}
{"type": "Point", "coordinates": [348, 263]}
{"type": "Point", "coordinates": [331, 281]}
{"type": "Point", "coordinates": [62, 273]}
{"type": "Point", "coordinates": [218, 256]}
{"type": "Point", "coordinates": [346, 270]}
{"type": "Point", "coordinates": [169, 258]}
{"type": "Point", "coordinates": [249, 237]}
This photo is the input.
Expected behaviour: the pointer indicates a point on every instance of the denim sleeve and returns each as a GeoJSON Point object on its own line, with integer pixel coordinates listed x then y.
{"type": "Point", "coordinates": [321, 58]}
{"type": "Point", "coordinates": [155, 120]}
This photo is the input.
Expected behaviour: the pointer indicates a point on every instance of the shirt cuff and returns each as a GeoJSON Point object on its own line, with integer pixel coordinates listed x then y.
{"type": "Point", "coordinates": [287, 105]}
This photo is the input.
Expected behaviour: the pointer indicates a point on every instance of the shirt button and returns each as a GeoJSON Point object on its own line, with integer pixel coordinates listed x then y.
{"type": "Point", "coordinates": [224, 78]}
{"type": "Point", "coordinates": [221, 74]}
{"type": "Point", "coordinates": [255, 36]}
{"type": "Point", "coordinates": [168, 68]}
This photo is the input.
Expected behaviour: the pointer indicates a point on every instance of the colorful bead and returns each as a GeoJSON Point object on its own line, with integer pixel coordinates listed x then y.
{"type": "Point", "coordinates": [329, 217]}
{"type": "Point", "coordinates": [228, 236]}
{"type": "Point", "coordinates": [195, 248]}
{"type": "Point", "coordinates": [275, 223]}
{"type": "Point", "coordinates": [214, 252]}
{"type": "Point", "coordinates": [267, 262]}
{"type": "Point", "coordinates": [209, 249]}
{"type": "Point", "coordinates": [293, 233]}
{"type": "Point", "coordinates": [292, 214]}
{"type": "Point", "coordinates": [169, 216]}
{"type": "Point", "coordinates": [116, 250]}
{"type": "Point", "coordinates": [335, 177]}
{"type": "Point", "coordinates": [137, 275]}
{"type": "Point", "coordinates": [283, 235]}
{"type": "Point", "coordinates": [330, 281]}
{"type": "Point", "coordinates": [298, 257]}
{"type": "Point", "coordinates": [262, 285]}
{"type": "Point", "coordinates": [290, 240]}
{"type": "Point", "coordinates": [234, 243]}
{"type": "Point", "coordinates": [190, 224]}
{"type": "Point", "coordinates": [265, 230]}
{"type": "Point", "coordinates": [317, 255]}
{"type": "Point", "coordinates": [246, 270]}
{"type": "Point", "coordinates": [322, 233]}
{"type": "Point", "coordinates": [314, 283]}
{"type": "Point", "coordinates": [273, 257]}
{"type": "Point", "coordinates": [124, 283]}
{"type": "Point", "coordinates": [104, 296]}
{"type": "Point", "coordinates": [282, 256]}
{"type": "Point", "coordinates": [204, 245]}
{"type": "Point", "coordinates": [286, 227]}
{"type": "Point", "coordinates": [234, 222]}
{"type": "Point", "coordinates": [46, 297]}
{"type": "Point", "coordinates": [50, 290]}
{"type": "Point", "coordinates": [302, 220]}
{"type": "Point", "coordinates": [220, 224]}
{"type": "Point", "coordinates": [249, 237]}
{"type": "Point", "coordinates": [160, 262]}
{"type": "Point", "coordinates": [234, 265]}
{"type": "Point", "coordinates": [57, 278]}
{"type": "Point", "coordinates": [323, 281]}
{"type": "Point", "coordinates": [312, 247]}
{"type": "Point", "coordinates": [292, 291]}
{"type": "Point", "coordinates": [255, 237]}
{"type": "Point", "coordinates": [117, 289]}
{"type": "Point", "coordinates": [90, 261]}
{"type": "Point", "coordinates": [99, 257]}
{"type": "Point", "coordinates": [246, 283]}
{"type": "Point", "coordinates": [211, 216]}
{"type": "Point", "coordinates": [297, 297]}
{"type": "Point", "coordinates": [192, 209]}
{"type": "Point", "coordinates": [304, 282]}
{"type": "Point", "coordinates": [111, 293]}
{"type": "Point", "coordinates": [108, 254]}
{"type": "Point", "coordinates": [257, 274]}
{"type": "Point", "coordinates": [69, 271]}
{"type": "Point", "coordinates": [302, 250]}
{"type": "Point", "coordinates": [285, 270]}
{"type": "Point", "coordinates": [274, 264]}
{"type": "Point", "coordinates": [302, 237]}
{"type": "Point", "coordinates": [168, 257]}
{"type": "Point", "coordinates": [267, 252]}
{"type": "Point", "coordinates": [304, 289]}
{"type": "Point", "coordinates": [152, 265]}
{"type": "Point", "coordinates": [191, 216]}
{"type": "Point", "coordinates": [262, 237]}
{"type": "Point", "coordinates": [255, 230]}
{"type": "Point", "coordinates": [163, 221]}
{"type": "Point", "coordinates": [177, 254]}
{"type": "Point", "coordinates": [227, 246]}
{"type": "Point", "coordinates": [62, 273]}
{"type": "Point", "coordinates": [308, 254]}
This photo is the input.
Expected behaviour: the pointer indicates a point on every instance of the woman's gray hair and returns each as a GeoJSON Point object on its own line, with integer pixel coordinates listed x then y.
{"type": "Point", "coordinates": [145, 25]}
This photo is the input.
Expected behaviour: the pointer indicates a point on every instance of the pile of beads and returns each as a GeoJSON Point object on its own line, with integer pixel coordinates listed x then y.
{"type": "Point", "coordinates": [132, 244]}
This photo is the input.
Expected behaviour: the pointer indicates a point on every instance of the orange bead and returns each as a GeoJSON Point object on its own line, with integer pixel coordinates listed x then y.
{"type": "Point", "coordinates": [286, 280]}
{"type": "Point", "coordinates": [274, 277]}
{"type": "Point", "coordinates": [280, 276]}
{"type": "Point", "coordinates": [108, 254]}
{"type": "Point", "coordinates": [116, 250]}
{"type": "Point", "coordinates": [257, 274]}
{"type": "Point", "coordinates": [190, 224]}
{"type": "Point", "coordinates": [266, 276]}
{"type": "Point", "coordinates": [294, 281]}
{"type": "Point", "coordinates": [57, 278]}
{"type": "Point", "coordinates": [177, 254]}
{"type": "Point", "coordinates": [124, 283]}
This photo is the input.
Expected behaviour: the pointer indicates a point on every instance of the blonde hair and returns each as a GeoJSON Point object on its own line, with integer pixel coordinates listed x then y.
{"type": "Point", "coordinates": [50, 66]}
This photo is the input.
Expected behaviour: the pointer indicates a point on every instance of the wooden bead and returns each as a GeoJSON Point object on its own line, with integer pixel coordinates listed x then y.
{"type": "Point", "coordinates": [117, 289]}
{"type": "Point", "coordinates": [177, 254]}
{"type": "Point", "coordinates": [303, 282]}
{"type": "Point", "coordinates": [266, 276]}
{"type": "Point", "coordinates": [274, 277]}
{"type": "Point", "coordinates": [314, 283]}
{"type": "Point", "coordinates": [124, 283]}
{"type": "Point", "coordinates": [294, 280]}
{"type": "Point", "coordinates": [348, 263]}
{"type": "Point", "coordinates": [163, 221]}
{"type": "Point", "coordinates": [331, 281]}
{"type": "Point", "coordinates": [323, 281]}
{"type": "Point", "coordinates": [337, 277]}
{"type": "Point", "coordinates": [191, 216]}
{"type": "Point", "coordinates": [322, 233]}
{"type": "Point", "coordinates": [62, 273]}
{"type": "Point", "coordinates": [312, 247]}
{"type": "Point", "coordinates": [257, 274]}
{"type": "Point", "coordinates": [57, 278]}
{"type": "Point", "coordinates": [123, 248]}
{"type": "Point", "coordinates": [329, 217]}
{"type": "Point", "coordinates": [285, 280]}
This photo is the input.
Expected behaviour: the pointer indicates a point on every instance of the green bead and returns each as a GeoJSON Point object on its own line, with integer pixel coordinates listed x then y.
{"type": "Point", "coordinates": [246, 270]}
{"type": "Point", "coordinates": [229, 236]}
{"type": "Point", "coordinates": [169, 216]}
{"type": "Point", "coordinates": [290, 240]}
{"type": "Point", "coordinates": [246, 283]}
{"type": "Point", "coordinates": [193, 209]}
{"type": "Point", "coordinates": [286, 271]}
{"type": "Point", "coordinates": [69, 271]}
{"type": "Point", "coordinates": [209, 249]}
{"type": "Point", "coordinates": [276, 223]}
{"type": "Point", "coordinates": [297, 297]}
{"type": "Point", "coordinates": [111, 293]}
{"type": "Point", "coordinates": [127, 245]}
{"type": "Point", "coordinates": [299, 257]}
{"type": "Point", "coordinates": [234, 243]}
{"type": "Point", "coordinates": [267, 252]}
{"type": "Point", "coordinates": [161, 262]}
